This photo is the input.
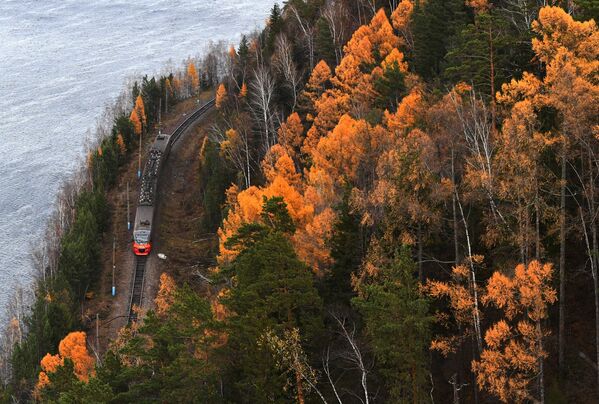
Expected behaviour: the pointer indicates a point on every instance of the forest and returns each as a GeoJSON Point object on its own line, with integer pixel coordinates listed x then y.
{"type": "Point", "coordinates": [404, 198]}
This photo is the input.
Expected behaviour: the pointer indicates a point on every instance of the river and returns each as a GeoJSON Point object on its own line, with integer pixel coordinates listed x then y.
{"type": "Point", "coordinates": [61, 62]}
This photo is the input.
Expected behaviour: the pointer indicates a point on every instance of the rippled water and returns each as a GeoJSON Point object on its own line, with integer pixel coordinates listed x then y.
{"type": "Point", "coordinates": [61, 61]}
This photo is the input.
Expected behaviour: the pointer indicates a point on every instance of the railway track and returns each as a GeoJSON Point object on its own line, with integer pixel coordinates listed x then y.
{"type": "Point", "coordinates": [138, 286]}
{"type": "Point", "coordinates": [137, 283]}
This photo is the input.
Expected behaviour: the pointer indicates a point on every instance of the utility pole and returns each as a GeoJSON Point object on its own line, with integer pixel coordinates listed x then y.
{"type": "Point", "coordinates": [166, 99]}
{"type": "Point", "coordinates": [97, 334]}
{"type": "Point", "coordinates": [128, 214]}
{"type": "Point", "coordinates": [139, 161]}
{"type": "Point", "coordinates": [159, 111]}
{"type": "Point", "coordinates": [113, 263]}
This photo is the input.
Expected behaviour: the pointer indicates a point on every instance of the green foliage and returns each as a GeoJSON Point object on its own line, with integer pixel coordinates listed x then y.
{"type": "Point", "coordinates": [398, 325]}
{"type": "Point", "coordinates": [324, 43]}
{"type": "Point", "coordinates": [215, 178]}
{"type": "Point", "coordinates": [347, 252]}
{"type": "Point", "coordinates": [275, 25]}
{"type": "Point", "coordinates": [92, 392]}
{"type": "Point", "coordinates": [587, 9]}
{"type": "Point", "coordinates": [80, 257]}
{"type": "Point", "coordinates": [391, 87]}
{"type": "Point", "coordinates": [489, 38]}
{"type": "Point", "coordinates": [169, 355]}
{"type": "Point", "coordinates": [273, 290]}
{"type": "Point", "coordinates": [276, 216]}
{"type": "Point", "coordinates": [435, 22]}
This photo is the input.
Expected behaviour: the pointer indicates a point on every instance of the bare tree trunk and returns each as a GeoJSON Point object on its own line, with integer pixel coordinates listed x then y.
{"type": "Point", "coordinates": [541, 367]}
{"type": "Point", "coordinates": [476, 311]}
{"type": "Point", "coordinates": [562, 264]}
{"type": "Point", "coordinates": [420, 273]}
{"type": "Point", "coordinates": [537, 226]}
{"type": "Point", "coordinates": [455, 214]}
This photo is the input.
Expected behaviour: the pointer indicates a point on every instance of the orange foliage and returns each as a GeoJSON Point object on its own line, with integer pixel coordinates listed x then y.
{"type": "Point", "coordinates": [316, 85]}
{"type": "Point", "coordinates": [408, 110]}
{"type": "Point", "coordinates": [512, 358]}
{"type": "Point", "coordinates": [165, 296]}
{"type": "Point", "coordinates": [291, 135]}
{"type": "Point", "coordinates": [276, 163]}
{"type": "Point", "coordinates": [401, 16]}
{"type": "Point", "coordinates": [461, 302]}
{"type": "Point", "coordinates": [395, 57]}
{"type": "Point", "coordinates": [479, 6]}
{"type": "Point", "coordinates": [193, 77]}
{"type": "Point", "coordinates": [140, 109]}
{"type": "Point", "coordinates": [329, 109]}
{"type": "Point", "coordinates": [221, 95]}
{"type": "Point", "coordinates": [134, 118]}
{"type": "Point", "coordinates": [74, 347]}
{"type": "Point", "coordinates": [244, 90]}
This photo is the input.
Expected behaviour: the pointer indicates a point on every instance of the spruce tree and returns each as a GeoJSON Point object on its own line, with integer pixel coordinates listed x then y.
{"type": "Point", "coordinates": [397, 322]}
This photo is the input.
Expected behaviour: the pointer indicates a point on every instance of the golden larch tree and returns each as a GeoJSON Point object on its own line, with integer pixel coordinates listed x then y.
{"type": "Point", "coordinates": [73, 347]}
{"type": "Point", "coordinates": [512, 360]}
{"type": "Point", "coordinates": [192, 76]}
{"type": "Point", "coordinates": [221, 96]}
{"type": "Point", "coordinates": [134, 118]}
{"type": "Point", "coordinates": [141, 110]}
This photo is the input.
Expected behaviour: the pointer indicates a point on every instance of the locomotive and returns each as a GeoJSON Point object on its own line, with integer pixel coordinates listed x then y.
{"type": "Point", "coordinates": [146, 206]}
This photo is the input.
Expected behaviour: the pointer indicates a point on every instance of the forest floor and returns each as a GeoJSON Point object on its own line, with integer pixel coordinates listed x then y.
{"type": "Point", "coordinates": [179, 206]}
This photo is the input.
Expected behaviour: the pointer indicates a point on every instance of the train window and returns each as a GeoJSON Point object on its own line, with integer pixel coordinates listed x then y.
{"type": "Point", "coordinates": [141, 236]}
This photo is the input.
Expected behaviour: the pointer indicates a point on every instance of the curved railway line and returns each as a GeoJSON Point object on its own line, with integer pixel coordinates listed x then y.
{"type": "Point", "coordinates": [137, 281]}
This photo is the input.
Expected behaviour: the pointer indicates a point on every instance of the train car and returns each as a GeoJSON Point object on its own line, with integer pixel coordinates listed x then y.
{"type": "Point", "coordinates": [146, 206]}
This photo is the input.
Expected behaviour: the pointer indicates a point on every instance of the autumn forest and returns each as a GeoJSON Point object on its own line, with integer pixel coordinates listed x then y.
{"type": "Point", "coordinates": [403, 199]}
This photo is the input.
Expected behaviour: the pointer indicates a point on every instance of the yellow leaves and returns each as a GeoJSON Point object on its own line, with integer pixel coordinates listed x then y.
{"type": "Point", "coordinates": [193, 77]}
{"type": "Point", "coordinates": [557, 29]}
{"type": "Point", "coordinates": [408, 110]}
{"type": "Point", "coordinates": [231, 142]}
{"type": "Point", "coordinates": [383, 39]}
{"type": "Point", "coordinates": [140, 109]}
{"type": "Point", "coordinates": [134, 118]}
{"type": "Point", "coordinates": [221, 95]}
{"type": "Point", "coordinates": [291, 135]}
{"type": "Point", "coordinates": [395, 58]}
{"type": "Point", "coordinates": [278, 163]}
{"type": "Point", "coordinates": [320, 75]}
{"type": "Point", "coordinates": [74, 346]}
{"type": "Point", "coordinates": [165, 296]}
{"type": "Point", "coordinates": [402, 15]}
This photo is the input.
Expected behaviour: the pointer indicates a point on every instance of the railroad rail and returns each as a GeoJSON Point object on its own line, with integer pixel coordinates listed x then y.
{"type": "Point", "coordinates": [138, 280]}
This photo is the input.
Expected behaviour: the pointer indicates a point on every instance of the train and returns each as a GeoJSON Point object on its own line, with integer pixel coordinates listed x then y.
{"type": "Point", "coordinates": [146, 205]}
{"type": "Point", "coordinates": [150, 181]}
